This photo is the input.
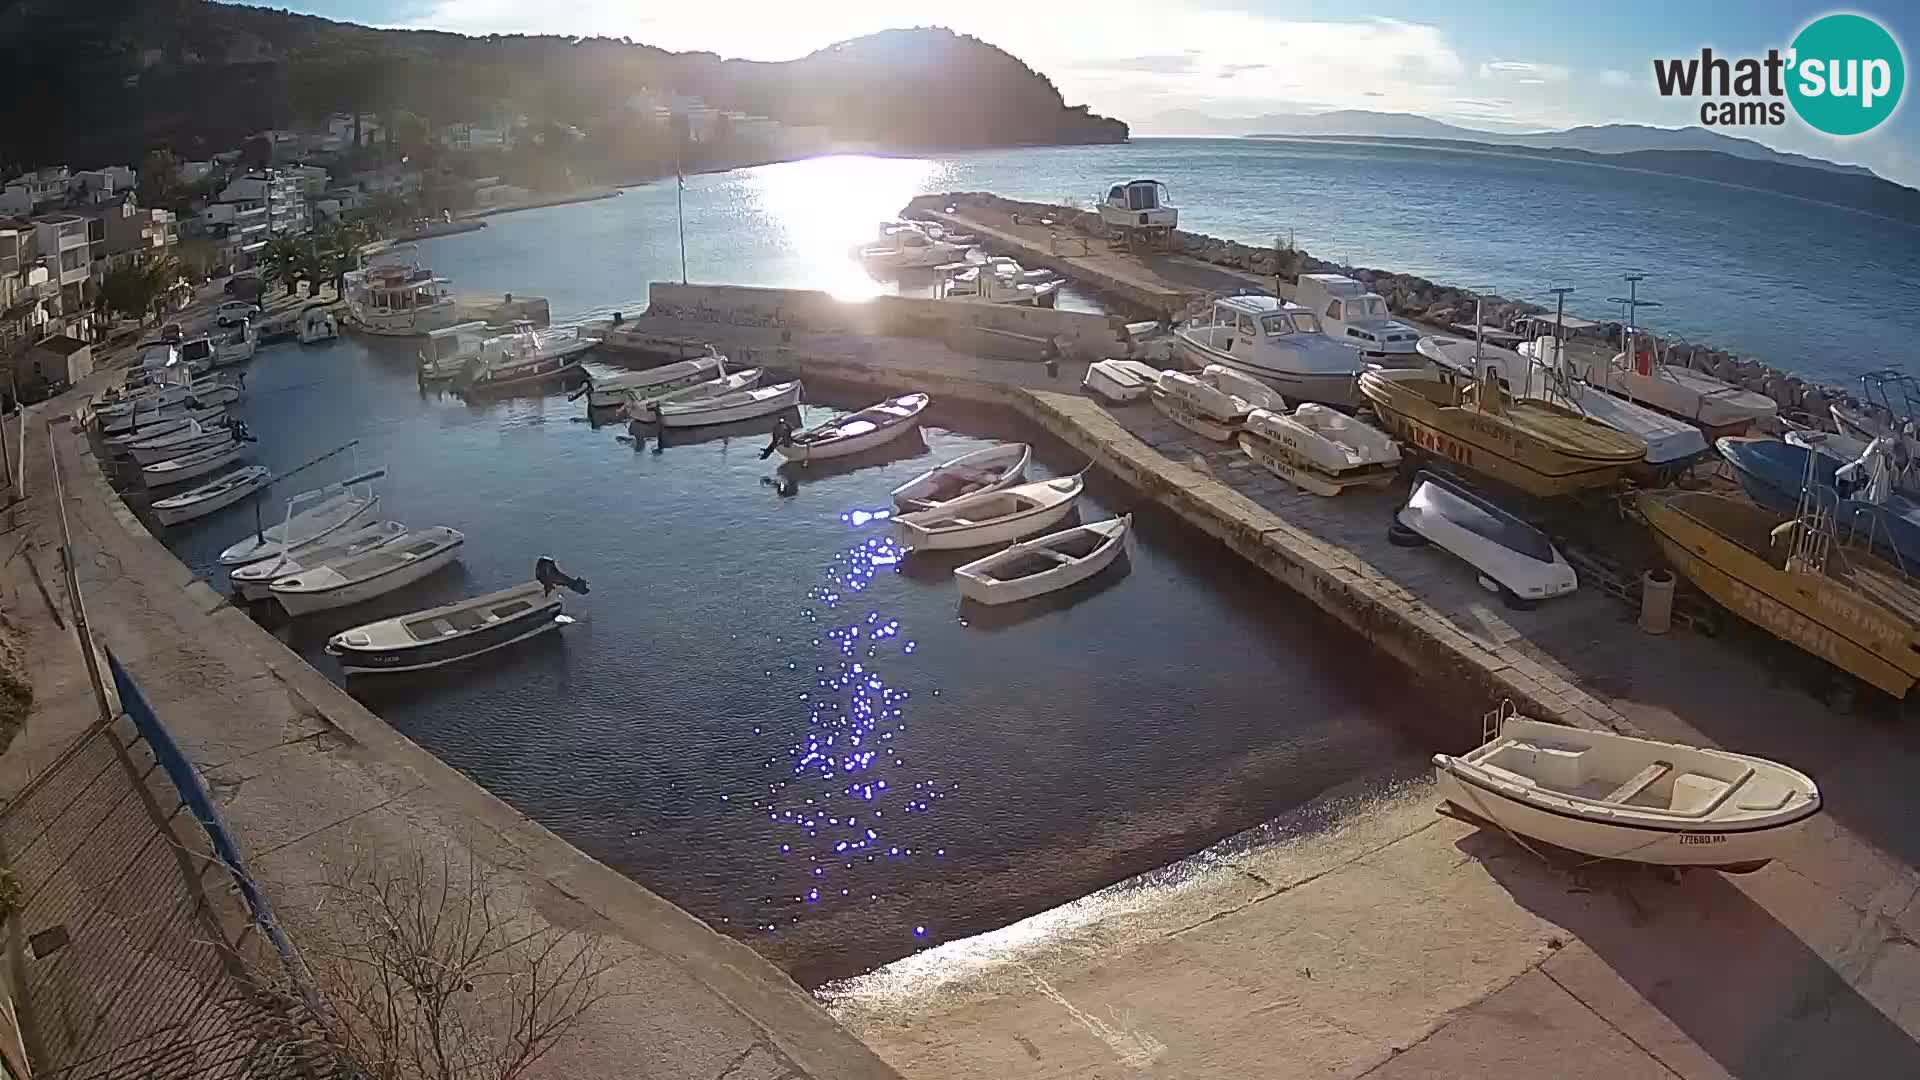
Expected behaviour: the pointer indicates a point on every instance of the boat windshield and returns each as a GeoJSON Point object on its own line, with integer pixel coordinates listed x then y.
{"type": "Point", "coordinates": [1495, 525]}
{"type": "Point", "coordinates": [1371, 307]}
{"type": "Point", "coordinates": [1276, 325]}
{"type": "Point", "coordinates": [1305, 321]}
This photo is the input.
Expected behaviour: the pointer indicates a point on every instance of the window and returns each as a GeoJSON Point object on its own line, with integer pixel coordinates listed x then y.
{"type": "Point", "coordinates": [1305, 322]}
{"type": "Point", "coordinates": [1246, 325]}
{"type": "Point", "coordinates": [1118, 195]}
{"type": "Point", "coordinates": [1277, 325]}
{"type": "Point", "coordinates": [1333, 310]}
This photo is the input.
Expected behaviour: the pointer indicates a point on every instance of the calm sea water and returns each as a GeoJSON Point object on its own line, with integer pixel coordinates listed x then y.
{"type": "Point", "coordinates": [769, 717]}
{"type": "Point", "coordinates": [1815, 289]}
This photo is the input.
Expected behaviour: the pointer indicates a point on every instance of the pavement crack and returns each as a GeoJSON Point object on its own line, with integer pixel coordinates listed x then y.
{"type": "Point", "coordinates": [1616, 1028]}
{"type": "Point", "coordinates": [1274, 891]}
{"type": "Point", "coordinates": [739, 1059]}
{"type": "Point", "coordinates": [266, 853]}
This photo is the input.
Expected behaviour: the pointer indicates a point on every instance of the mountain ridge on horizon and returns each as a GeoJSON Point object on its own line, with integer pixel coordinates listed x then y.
{"type": "Point", "coordinates": [1592, 138]}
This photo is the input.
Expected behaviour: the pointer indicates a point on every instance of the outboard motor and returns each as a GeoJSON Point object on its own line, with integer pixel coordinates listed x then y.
{"type": "Point", "coordinates": [551, 577]}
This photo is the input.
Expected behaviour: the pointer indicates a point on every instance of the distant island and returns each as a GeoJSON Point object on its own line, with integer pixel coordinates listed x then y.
{"type": "Point", "coordinates": [106, 82]}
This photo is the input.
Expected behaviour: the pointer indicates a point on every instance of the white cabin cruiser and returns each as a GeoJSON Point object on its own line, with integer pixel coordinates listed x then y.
{"type": "Point", "coordinates": [1671, 443]}
{"type": "Point", "coordinates": [1138, 204]}
{"type": "Point", "coordinates": [524, 355]}
{"type": "Point", "coordinates": [448, 350]}
{"type": "Point", "coordinates": [393, 295]}
{"type": "Point", "coordinates": [1120, 381]}
{"type": "Point", "coordinates": [316, 325]}
{"type": "Point", "coordinates": [1277, 342]}
{"type": "Point", "coordinates": [1322, 450]}
{"type": "Point", "coordinates": [906, 248]}
{"type": "Point", "coordinates": [198, 355]}
{"type": "Point", "coordinates": [1351, 313]}
{"type": "Point", "coordinates": [1617, 797]}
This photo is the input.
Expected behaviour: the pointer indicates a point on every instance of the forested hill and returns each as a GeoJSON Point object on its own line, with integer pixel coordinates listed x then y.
{"type": "Point", "coordinates": [94, 81]}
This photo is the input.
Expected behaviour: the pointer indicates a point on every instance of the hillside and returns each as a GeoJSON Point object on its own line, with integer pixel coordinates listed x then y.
{"type": "Point", "coordinates": [105, 80]}
{"type": "Point", "coordinates": [1598, 139]}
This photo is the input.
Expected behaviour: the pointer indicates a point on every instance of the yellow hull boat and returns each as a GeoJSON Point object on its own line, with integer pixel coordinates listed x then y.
{"type": "Point", "coordinates": [1535, 446]}
{"type": "Point", "coordinates": [1856, 612]}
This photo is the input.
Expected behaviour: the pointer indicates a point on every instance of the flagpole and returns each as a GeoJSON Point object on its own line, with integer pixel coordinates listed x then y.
{"type": "Point", "coordinates": [680, 207]}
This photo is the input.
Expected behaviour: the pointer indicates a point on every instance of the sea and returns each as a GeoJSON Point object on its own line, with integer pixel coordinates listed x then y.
{"type": "Point", "coordinates": [769, 714]}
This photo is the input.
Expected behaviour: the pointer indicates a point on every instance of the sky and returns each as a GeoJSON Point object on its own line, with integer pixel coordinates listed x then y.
{"type": "Point", "coordinates": [1491, 64]}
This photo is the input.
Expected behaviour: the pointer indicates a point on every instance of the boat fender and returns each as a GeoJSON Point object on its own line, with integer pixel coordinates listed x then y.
{"type": "Point", "coordinates": [551, 577]}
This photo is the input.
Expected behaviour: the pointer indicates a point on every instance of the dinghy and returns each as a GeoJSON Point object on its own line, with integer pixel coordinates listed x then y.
{"type": "Point", "coordinates": [1320, 449]}
{"type": "Point", "coordinates": [375, 573]}
{"type": "Point", "coordinates": [152, 429]}
{"type": "Point", "coordinates": [1120, 381]}
{"type": "Point", "coordinates": [645, 406]}
{"type": "Point", "coordinates": [334, 508]}
{"type": "Point", "coordinates": [154, 456]}
{"type": "Point", "coordinates": [1200, 407]}
{"type": "Point", "coordinates": [456, 631]}
{"type": "Point", "coordinates": [188, 466]}
{"type": "Point", "coordinates": [991, 517]}
{"type": "Point", "coordinates": [145, 424]}
{"type": "Point", "coordinates": [203, 500]}
{"type": "Point", "coordinates": [1616, 797]}
{"type": "Point", "coordinates": [873, 426]}
{"type": "Point", "coordinates": [252, 580]}
{"type": "Point", "coordinates": [1513, 558]}
{"type": "Point", "coordinates": [608, 391]}
{"type": "Point", "coordinates": [990, 469]}
{"type": "Point", "coordinates": [1047, 564]}
{"type": "Point", "coordinates": [731, 408]}
{"type": "Point", "coordinates": [1255, 393]}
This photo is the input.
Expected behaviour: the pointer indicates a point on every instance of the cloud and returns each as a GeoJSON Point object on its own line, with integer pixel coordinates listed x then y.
{"type": "Point", "coordinates": [1615, 78]}
{"type": "Point", "coordinates": [1524, 71]}
{"type": "Point", "coordinates": [1173, 64]}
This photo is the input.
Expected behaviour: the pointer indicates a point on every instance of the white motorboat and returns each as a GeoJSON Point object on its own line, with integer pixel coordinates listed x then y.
{"type": "Point", "coordinates": [203, 500]}
{"type": "Point", "coordinates": [150, 430]}
{"type": "Point", "coordinates": [1671, 442]}
{"type": "Point", "coordinates": [164, 435]}
{"type": "Point", "coordinates": [145, 424]}
{"type": "Point", "coordinates": [145, 456]}
{"type": "Point", "coordinates": [199, 463]}
{"type": "Point", "coordinates": [1198, 406]}
{"type": "Point", "coordinates": [1694, 396]}
{"type": "Point", "coordinates": [1320, 449]}
{"type": "Point", "coordinates": [390, 566]}
{"type": "Point", "coordinates": [1256, 394]}
{"type": "Point", "coordinates": [394, 295]}
{"type": "Point", "coordinates": [1512, 557]}
{"type": "Point", "coordinates": [457, 631]}
{"type": "Point", "coordinates": [311, 515]}
{"type": "Point", "coordinates": [1355, 315]}
{"type": "Point", "coordinates": [1045, 564]}
{"type": "Point", "coordinates": [991, 517]}
{"type": "Point", "coordinates": [1120, 381]}
{"type": "Point", "coordinates": [1276, 342]}
{"type": "Point", "coordinates": [252, 580]}
{"type": "Point", "coordinates": [1638, 800]}
{"type": "Point", "coordinates": [629, 386]}
{"type": "Point", "coordinates": [988, 469]}
{"type": "Point", "coordinates": [755, 401]}
{"type": "Point", "coordinates": [237, 346]}
{"type": "Point", "coordinates": [1138, 204]}
{"type": "Point", "coordinates": [446, 352]}
{"type": "Point", "coordinates": [997, 281]}
{"type": "Point", "coordinates": [646, 409]}
{"type": "Point", "coordinates": [873, 426]}
{"type": "Point", "coordinates": [198, 355]}
{"type": "Point", "coordinates": [316, 325]}
{"type": "Point", "coordinates": [525, 355]}
{"type": "Point", "coordinates": [909, 248]}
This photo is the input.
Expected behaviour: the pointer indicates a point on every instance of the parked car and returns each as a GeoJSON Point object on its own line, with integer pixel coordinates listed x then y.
{"type": "Point", "coordinates": [235, 312]}
{"type": "Point", "coordinates": [172, 332]}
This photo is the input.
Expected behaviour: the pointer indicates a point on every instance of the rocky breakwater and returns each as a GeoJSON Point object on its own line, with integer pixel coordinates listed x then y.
{"type": "Point", "coordinates": [1416, 298]}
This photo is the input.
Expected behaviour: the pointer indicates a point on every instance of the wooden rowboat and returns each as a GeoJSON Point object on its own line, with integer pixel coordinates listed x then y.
{"type": "Point", "coordinates": [1045, 564]}
{"type": "Point", "coordinates": [873, 426]}
{"type": "Point", "coordinates": [991, 517]}
{"type": "Point", "coordinates": [989, 469]}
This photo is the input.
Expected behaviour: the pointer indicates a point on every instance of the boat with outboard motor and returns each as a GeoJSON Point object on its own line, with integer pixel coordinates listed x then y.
{"type": "Point", "coordinates": [873, 426]}
{"type": "Point", "coordinates": [458, 631]}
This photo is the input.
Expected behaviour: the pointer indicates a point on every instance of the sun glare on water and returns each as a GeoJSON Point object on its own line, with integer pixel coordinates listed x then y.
{"type": "Point", "coordinates": [829, 207]}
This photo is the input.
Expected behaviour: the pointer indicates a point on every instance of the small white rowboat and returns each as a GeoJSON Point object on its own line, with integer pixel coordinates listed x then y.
{"type": "Point", "coordinates": [1255, 393]}
{"type": "Point", "coordinates": [1616, 797]}
{"type": "Point", "coordinates": [1320, 449]}
{"type": "Point", "coordinates": [731, 408]}
{"type": "Point", "coordinates": [203, 500]}
{"type": "Point", "coordinates": [376, 573]}
{"type": "Point", "coordinates": [329, 515]}
{"type": "Point", "coordinates": [1046, 564]}
{"type": "Point", "coordinates": [644, 406]}
{"type": "Point", "coordinates": [1120, 381]}
{"type": "Point", "coordinates": [449, 633]}
{"type": "Point", "coordinates": [604, 393]}
{"type": "Point", "coordinates": [1201, 408]}
{"type": "Point", "coordinates": [252, 580]}
{"type": "Point", "coordinates": [991, 517]}
{"type": "Point", "coordinates": [873, 426]}
{"type": "Point", "coordinates": [991, 469]}
{"type": "Point", "coordinates": [189, 466]}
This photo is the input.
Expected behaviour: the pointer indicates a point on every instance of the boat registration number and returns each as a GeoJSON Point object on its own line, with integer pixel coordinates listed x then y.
{"type": "Point", "coordinates": [1702, 838]}
{"type": "Point", "coordinates": [1435, 443]}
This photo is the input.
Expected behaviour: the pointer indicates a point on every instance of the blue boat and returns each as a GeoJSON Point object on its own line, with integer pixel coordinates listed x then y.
{"type": "Point", "coordinates": [1772, 473]}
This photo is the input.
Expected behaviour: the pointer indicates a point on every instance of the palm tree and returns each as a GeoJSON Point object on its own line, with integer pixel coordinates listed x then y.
{"type": "Point", "coordinates": [282, 261]}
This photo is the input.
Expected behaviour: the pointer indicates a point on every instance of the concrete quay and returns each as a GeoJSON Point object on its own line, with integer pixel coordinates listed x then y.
{"type": "Point", "coordinates": [310, 781]}
{"type": "Point", "coordinates": [1370, 937]}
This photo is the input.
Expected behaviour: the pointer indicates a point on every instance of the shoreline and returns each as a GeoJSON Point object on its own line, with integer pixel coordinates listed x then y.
{"type": "Point", "coordinates": [578, 195]}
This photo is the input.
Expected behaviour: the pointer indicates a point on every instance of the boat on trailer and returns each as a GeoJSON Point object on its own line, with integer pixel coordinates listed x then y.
{"type": "Point", "coordinates": [1512, 557]}
{"type": "Point", "coordinates": [990, 517]}
{"type": "Point", "coordinates": [873, 426]}
{"type": "Point", "coordinates": [333, 507]}
{"type": "Point", "coordinates": [1279, 343]}
{"type": "Point", "coordinates": [1045, 564]}
{"type": "Point", "coordinates": [458, 631]}
{"type": "Point", "coordinates": [1120, 381]}
{"type": "Point", "coordinates": [1613, 796]}
{"type": "Point", "coordinates": [378, 572]}
{"type": "Point", "coordinates": [988, 469]}
{"type": "Point", "coordinates": [1322, 450]}
{"type": "Point", "coordinates": [198, 502]}
{"type": "Point", "coordinates": [253, 580]}
{"type": "Point", "coordinates": [1637, 374]}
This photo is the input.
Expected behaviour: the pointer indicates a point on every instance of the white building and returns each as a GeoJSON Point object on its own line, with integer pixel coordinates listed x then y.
{"type": "Point", "coordinates": [111, 184]}
{"type": "Point", "coordinates": [66, 250]}
{"type": "Point", "coordinates": [25, 194]}
{"type": "Point", "coordinates": [279, 192]}
{"type": "Point", "coordinates": [192, 172]}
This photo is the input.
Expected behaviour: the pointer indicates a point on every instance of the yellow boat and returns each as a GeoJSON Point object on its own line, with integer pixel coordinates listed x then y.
{"type": "Point", "coordinates": [1539, 447]}
{"type": "Point", "coordinates": [1787, 577]}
